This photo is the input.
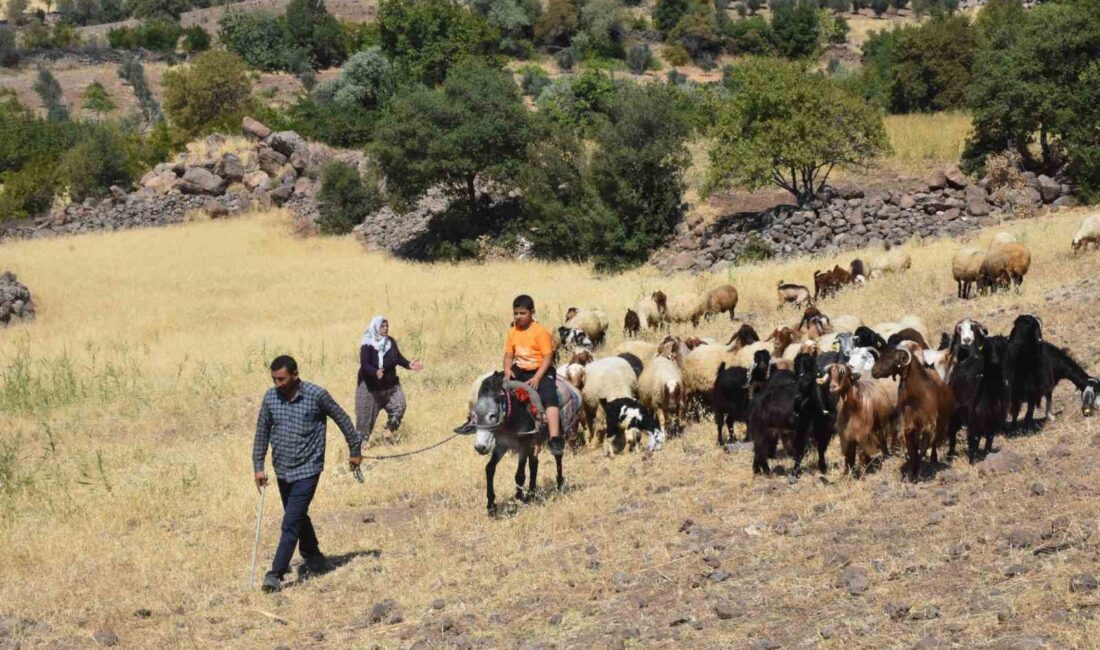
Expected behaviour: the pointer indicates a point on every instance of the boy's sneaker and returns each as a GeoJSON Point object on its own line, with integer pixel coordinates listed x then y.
{"type": "Point", "coordinates": [271, 583]}
{"type": "Point", "coordinates": [557, 446]}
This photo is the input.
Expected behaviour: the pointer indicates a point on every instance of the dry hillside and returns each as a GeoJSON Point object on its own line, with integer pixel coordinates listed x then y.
{"type": "Point", "coordinates": [126, 418]}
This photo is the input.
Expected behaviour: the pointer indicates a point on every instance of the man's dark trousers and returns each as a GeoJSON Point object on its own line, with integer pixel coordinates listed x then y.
{"type": "Point", "coordinates": [297, 528]}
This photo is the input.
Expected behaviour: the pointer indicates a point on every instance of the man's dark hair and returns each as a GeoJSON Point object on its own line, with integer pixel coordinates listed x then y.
{"type": "Point", "coordinates": [285, 361]}
{"type": "Point", "coordinates": [524, 301]}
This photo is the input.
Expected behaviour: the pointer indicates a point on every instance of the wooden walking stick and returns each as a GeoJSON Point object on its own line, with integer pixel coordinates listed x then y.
{"type": "Point", "coordinates": [256, 544]}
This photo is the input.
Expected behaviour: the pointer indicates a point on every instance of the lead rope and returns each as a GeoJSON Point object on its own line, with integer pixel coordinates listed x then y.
{"type": "Point", "coordinates": [414, 452]}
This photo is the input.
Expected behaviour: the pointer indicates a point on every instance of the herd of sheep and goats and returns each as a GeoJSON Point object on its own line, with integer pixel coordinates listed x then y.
{"type": "Point", "coordinates": [881, 390]}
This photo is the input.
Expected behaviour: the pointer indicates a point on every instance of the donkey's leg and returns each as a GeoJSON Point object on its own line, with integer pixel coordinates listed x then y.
{"type": "Point", "coordinates": [521, 475]}
{"type": "Point", "coordinates": [533, 465]}
{"type": "Point", "coordinates": [561, 478]}
{"type": "Point", "coordinates": [490, 472]}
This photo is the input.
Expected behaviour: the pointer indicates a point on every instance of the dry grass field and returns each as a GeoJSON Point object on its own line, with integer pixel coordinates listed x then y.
{"type": "Point", "coordinates": [126, 501]}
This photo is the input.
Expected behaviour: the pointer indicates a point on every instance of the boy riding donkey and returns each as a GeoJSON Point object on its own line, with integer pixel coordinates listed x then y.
{"type": "Point", "coordinates": [529, 357]}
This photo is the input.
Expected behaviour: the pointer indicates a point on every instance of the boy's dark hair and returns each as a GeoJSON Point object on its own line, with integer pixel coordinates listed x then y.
{"type": "Point", "coordinates": [524, 301]}
{"type": "Point", "coordinates": [285, 361]}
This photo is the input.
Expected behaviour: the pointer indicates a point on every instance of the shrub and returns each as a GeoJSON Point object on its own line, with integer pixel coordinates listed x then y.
{"type": "Point", "coordinates": [50, 91]}
{"type": "Point", "coordinates": [752, 36]}
{"type": "Point", "coordinates": [332, 123]}
{"type": "Point", "coordinates": [557, 24]}
{"type": "Point", "coordinates": [159, 34]}
{"type": "Point", "coordinates": [214, 92]}
{"type": "Point", "coordinates": [97, 99]}
{"type": "Point", "coordinates": [96, 163]}
{"type": "Point", "coordinates": [602, 21]}
{"type": "Point", "coordinates": [9, 51]}
{"type": "Point", "coordinates": [344, 199]}
{"type": "Point", "coordinates": [196, 39]}
{"type": "Point", "coordinates": [533, 80]}
{"type": "Point", "coordinates": [756, 250]}
{"type": "Point", "coordinates": [639, 58]}
{"type": "Point", "coordinates": [428, 37]}
{"type": "Point", "coordinates": [566, 58]}
{"type": "Point", "coordinates": [676, 55]}
{"type": "Point", "coordinates": [668, 13]}
{"type": "Point", "coordinates": [697, 32]}
{"type": "Point", "coordinates": [28, 191]}
{"type": "Point", "coordinates": [797, 29]}
{"type": "Point", "coordinates": [132, 72]}
{"type": "Point", "coordinates": [258, 38]}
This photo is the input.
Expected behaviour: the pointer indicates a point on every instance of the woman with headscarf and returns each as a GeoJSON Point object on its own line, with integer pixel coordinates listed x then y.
{"type": "Point", "coordinates": [378, 386]}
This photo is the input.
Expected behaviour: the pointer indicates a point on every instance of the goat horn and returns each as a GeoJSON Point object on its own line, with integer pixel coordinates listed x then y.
{"type": "Point", "coordinates": [909, 356]}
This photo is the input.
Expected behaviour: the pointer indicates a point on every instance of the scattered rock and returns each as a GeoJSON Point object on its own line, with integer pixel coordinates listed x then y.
{"type": "Point", "coordinates": [1038, 489]}
{"type": "Point", "coordinates": [1015, 570]}
{"type": "Point", "coordinates": [925, 613]}
{"type": "Point", "coordinates": [254, 129]}
{"type": "Point", "coordinates": [726, 611]}
{"type": "Point", "coordinates": [1083, 583]}
{"type": "Point", "coordinates": [1020, 538]}
{"type": "Point", "coordinates": [1003, 462]}
{"type": "Point", "coordinates": [387, 611]}
{"type": "Point", "coordinates": [854, 580]}
{"type": "Point", "coordinates": [197, 180]}
{"type": "Point", "coordinates": [719, 576]}
{"type": "Point", "coordinates": [937, 181]}
{"type": "Point", "coordinates": [955, 178]}
{"type": "Point", "coordinates": [287, 143]}
{"type": "Point", "coordinates": [143, 613]}
{"type": "Point", "coordinates": [106, 637]}
{"type": "Point", "coordinates": [215, 208]}
{"type": "Point", "coordinates": [896, 611]}
{"type": "Point", "coordinates": [1049, 189]}
{"type": "Point", "coordinates": [439, 603]}
{"type": "Point", "coordinates": [555, 619]}
{"type": "Point", "coordinates": [928, 643]}
{"type": "Point", "coordinates": [765, 644]}
{"type": "Point", "coordinates": [15, 300]}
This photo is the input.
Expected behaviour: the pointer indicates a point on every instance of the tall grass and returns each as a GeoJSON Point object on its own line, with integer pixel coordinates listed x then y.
{"type": "Point", "coordinates": [923, 141]}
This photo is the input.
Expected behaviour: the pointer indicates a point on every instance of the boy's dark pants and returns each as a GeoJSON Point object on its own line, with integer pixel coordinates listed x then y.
{"type": "Point", "coordinates": [297, 528]}
{"type": "Point", "coordinates": [547, 388]}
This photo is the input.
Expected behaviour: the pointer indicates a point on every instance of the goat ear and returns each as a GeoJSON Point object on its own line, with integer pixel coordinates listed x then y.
{"type": "Point", "coordinates": [855, 376]}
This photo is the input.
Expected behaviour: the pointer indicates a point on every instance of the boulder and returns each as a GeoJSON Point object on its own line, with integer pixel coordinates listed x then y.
{"type": "Point", "coordinates": [1049, 188]}
{"type": "Point", "coordinates": [230, 168]}
{"type": "Point", "coordinates": [906, 202]}
{"type": "Point", "coordinates": [253, 129]}
{"type": "Point", "coordinates": [977, 207]}
{"type": "Point", "coordinates": [215, 208]}
{"type": "Point", "coordinates": [288, 143]}
{"type": "Point", "coordinates": [955, 178]}
{"type": "Point", "coordinates": [298, 161]}
{"type": "Point", "coordinates": [197, 180]}
{"type": "Point", "coordinates": [270, 161]}
{"type": "Point", "coordinates": [937, 181]}
{"type": "Point", "coordinates": [161, 183]}
{"type": "Point", "coordinates": [256, 179]}
{"type": "Point", "coordinates": [304, 187]}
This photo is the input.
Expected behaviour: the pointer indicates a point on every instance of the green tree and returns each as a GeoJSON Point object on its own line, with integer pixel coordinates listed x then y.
{"type": "Point", "coordinates": [784, 126]}
{"type": "Point", "coordinates": [797, 29]}
{"type": "Point", "coordinates": [345, 199]}
{"type": "Point", "coordinates": [602, 21]}
{"type": "Point", "coordinates": [258, 38]}
{"type": "Point", "coordinates": [196, 39]}
{"type": "Point", "coordinates": [366, 81]}
{"type": "Point", "coordinates": [752, 36]}
{"type": "Point", "coordinates": [697, 32]}
{"type": "Point", "coordinates": [667, 14]}
{"type": "Point", "coordinates": [879, 52]}
{"type": "Point", "coordinates": [472, 129]}
{"type": "Point", "coordinates": [639, 167]}
{"type": "Point", "coordinates": [557, 24]}
{"type": "Point", "coordinates": [97, 99]}
{"type": "Point", "coordinates": [132, 72]}
{"type": "Point", "coordinates": [933, 65]}
{"type": "Point", "coordinates": [1000, 22]}
{"type": "Point", "coordinates": [639, 58]}
{"type": "Point", "coordinates": [313, 29]}
{"type": "Point", "coordinates": [50, 92]}
{"type": "Point", "coordinates": [9, 50]}
{"type": "Point", "coordinates": [429, 37]}
{"type": "Point", "coordinates": [214, 92]}
{"type": "Point", "coordinates": [880, 7]}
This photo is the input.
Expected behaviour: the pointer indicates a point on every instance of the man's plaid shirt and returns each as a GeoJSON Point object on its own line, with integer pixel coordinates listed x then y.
{"type": "Point", "coordinates": [296, 431]}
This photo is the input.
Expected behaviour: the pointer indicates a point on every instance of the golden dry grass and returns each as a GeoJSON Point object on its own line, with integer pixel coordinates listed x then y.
{"type": "Point", "coordinates": [126, 417]}
{"type": "Point", "coordinates": [926, 140]}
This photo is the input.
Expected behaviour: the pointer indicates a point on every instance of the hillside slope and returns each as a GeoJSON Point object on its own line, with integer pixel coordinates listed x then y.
{"type": "Point", "coordinates": [126, 416]}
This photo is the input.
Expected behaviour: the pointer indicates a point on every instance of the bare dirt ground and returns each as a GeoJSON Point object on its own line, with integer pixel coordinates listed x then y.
{"type": "Point", "coordinates": [127, 508]}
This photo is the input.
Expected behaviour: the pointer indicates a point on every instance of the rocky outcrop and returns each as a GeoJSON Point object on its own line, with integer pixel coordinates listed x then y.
{"type": "Point", "coordinates": [843, 218]}
{"type": "Point", "coordinates": [15, 300]}
{"type": "Point", "coordinates": [390, 231]}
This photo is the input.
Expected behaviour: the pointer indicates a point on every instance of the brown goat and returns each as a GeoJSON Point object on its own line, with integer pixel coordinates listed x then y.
{"type": "Point", "coordinates": [792, 293]}
{"type": "Point", "coordinates": [783, 337]}
{"type": "Point", "coordinates": [829, 282]}
{"type": "Point", "coordinates": [631, 323]}
{"type": "Point", "coordinates": [865, 414]}
{"type": "Point", "coordinates": [925, 403]}
{"type": "Point", "coordinates": [661, 301]}
{"type": "Point", "coordinates": [693, 342]}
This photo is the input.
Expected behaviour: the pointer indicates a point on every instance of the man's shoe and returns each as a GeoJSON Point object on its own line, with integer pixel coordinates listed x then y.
{"type": "Point", "coordinates": [272, 583]}
{"type": "Point", "coordinates": [557, 446]}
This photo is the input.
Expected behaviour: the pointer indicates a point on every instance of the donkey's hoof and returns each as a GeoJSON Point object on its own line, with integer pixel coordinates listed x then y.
{"type": "Point", "coordinates": [492, 509]}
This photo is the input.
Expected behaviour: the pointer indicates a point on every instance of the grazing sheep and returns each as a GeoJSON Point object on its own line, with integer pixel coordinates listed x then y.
{"type": "Point", "coordinates": [649, 313]}
{"type": "Point", "coordinates": [570, 313]}
{"type": "Point", "coordinates": [859, 273]}
{"type": "Point", "coordinates": [700, 367]}
{"type": "Point", "coordinates": [909, 321]}
{"type": "Point", "coordinates": [794, 294]}
{"type": "Point", "coordinates": [966, 268]}
{"type": "Point", "coordinates": [661, 300]}
{"type": "Point", "coordinates": [644, 350]}
{"type": "Point", "coordinates": [570, 338]}
{"type": "Point", "coordinates": [1004, 266]}
{"type": "Point", "coordinates": [693, 342]}
{"type": "Point", "coordinates": [1001, 238]}
{"type": "Point", "coordinates": [730, 399]}
{"type": "Point", "coordinates": [631, 323]}
{"type": "Point", "coordinates": [628, 419]}
{"type": "Point", "coordinates": [745, 335]}
{"type": "Point", "coordinates": [722, 299]}
{"type": "Point", "coordinates": [635, 363]}
{"type": "Point", "coordinates": [894, 260]}
{"type": "Point", "coordinates": [661, 390]}
{"type": "Point", "coordinates": [1088, 233]}
{"type": "Point", "coordinates": [865, 415]}
{"type": "Point", "coordinates": [592, 322]}
{"type": "Point", "coordinates": [608, 379]}
{"type": "Point", "coordinates": [686, 307]}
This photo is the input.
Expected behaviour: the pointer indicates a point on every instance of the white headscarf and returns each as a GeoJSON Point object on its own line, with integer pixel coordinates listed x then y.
{"type": "Point", "coordinates": [373, 337]}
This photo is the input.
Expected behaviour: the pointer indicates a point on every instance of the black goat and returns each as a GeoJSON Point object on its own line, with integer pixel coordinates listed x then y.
{"type": "Point", "coordinates": [1028, 375]}
{"type": "Point", "coordinates": [865, 337]}
{"type": "Point", "coordinates": [1059, 365]}
{"type": "Point", "coordinates": [978, 383]}
{"type": "Point", "coordinates": [730, 399]}
{"type": "Point", "coordinates": [771, 414]}
{"type": "Point", "coordinates": [815, 412]}
{"type": "Point", "coordinates": [907, 334]}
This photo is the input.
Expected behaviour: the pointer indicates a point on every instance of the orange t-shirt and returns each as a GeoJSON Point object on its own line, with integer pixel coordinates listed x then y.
{"type": "Point", "coordinates": [529, 347]}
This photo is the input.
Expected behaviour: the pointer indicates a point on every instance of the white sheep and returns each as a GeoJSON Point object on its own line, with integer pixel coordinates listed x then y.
{"type": "Point", "coordinates": [661, 390]}
{"type": "Point", "coordinates": [644, 350]}
{"type": "Point", "coordinates": [701, 368]}
{"type": "Point", "coordinates": [894, 260]}
{"type": "Point", "coordinates": [1001, 238]}
{"type": "Point", "coordinates": [686, 307]}
{"type": "Point", "coordinates": [744, 357]}
{"type": "Point", "coordinates": [592, 322]}
{"type": "Point", "coordinates": [608, 378]}
{"type": "Point", "coordinates": [966, 268]}
{"type": "Point", "coordinates": [1088, 233]}
{"type": "Point", "coordinates": [649, 312]}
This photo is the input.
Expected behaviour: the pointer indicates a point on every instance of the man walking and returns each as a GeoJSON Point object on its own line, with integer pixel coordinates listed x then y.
{"type": "Point", "coordinates": [293, 419]}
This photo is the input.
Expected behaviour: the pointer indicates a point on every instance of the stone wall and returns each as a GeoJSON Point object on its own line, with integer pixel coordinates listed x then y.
{"type": "Point", "coordinates": [949, 204]}
{"type": "Point", "coordinates": [15, 300]}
